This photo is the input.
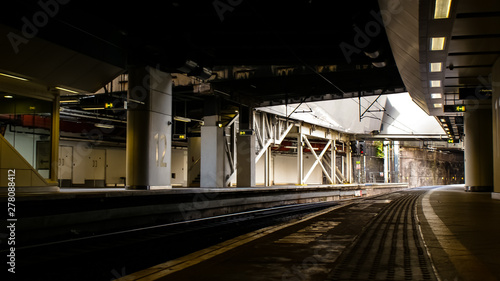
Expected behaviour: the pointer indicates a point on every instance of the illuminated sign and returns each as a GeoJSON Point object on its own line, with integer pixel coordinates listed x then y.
{"type": "Point", "coordinates": [179, 137]}
{"type": "Point", "coordinates": [454, 108]}
{"type": "Point", "coordinates": [108, 105]}
{"type": "Point", "coordinates": [246, 132]}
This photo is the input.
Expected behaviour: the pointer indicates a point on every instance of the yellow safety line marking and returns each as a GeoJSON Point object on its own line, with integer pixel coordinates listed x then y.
{"type": "Point", "coordinates": [468, 266]}
{"type": "Point", "coordinates": [172, 266]}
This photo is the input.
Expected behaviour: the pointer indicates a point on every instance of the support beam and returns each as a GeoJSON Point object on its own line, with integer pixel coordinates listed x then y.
{"type": "Point", "coordinates": [54, 139]}
{"type": "Point", "coordinates": [495, 100]}
{"type": "Point", "coordinates": [318, 160]}
{"type": "Point", "coordinates": [333, 161]}
{"type": "Point", "coordinates": [300, 158]}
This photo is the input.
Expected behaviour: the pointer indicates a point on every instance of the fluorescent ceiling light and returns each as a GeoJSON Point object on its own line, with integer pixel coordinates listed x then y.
{"type": "Point", "coordinates": [93, 108]}
{"type": "Point", "coordinates": [438, 105]}
{"type": "Point", "coordinates": [443, 120]}
{"type": "Point", "coordinates": [182, 119]}
{"type": "Point", "coordinates": [69, 101]}
{"type": "Point", "coordinates": [442, 10]}
{"type": "Point", "coordinates": [437, 43]}
{"type": "Point", "coordinates": [14, 77]}
{"type": "Point", "coordinates": [435, 83]}
{"type": "Point", "coordinates": [436, 96]}
{"type": "Point", "coordinates": [67, 90]}
{"type": "Point", "coordinates": [104, 126]}
{"type": "Point", "coordinates": [8, 97]}
{"type": "Point", "coordinates": [435, 66]}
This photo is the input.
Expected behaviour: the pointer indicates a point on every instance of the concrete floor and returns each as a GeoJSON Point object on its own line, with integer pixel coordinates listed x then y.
{"type": "Point", "coordinates": [459, 230]}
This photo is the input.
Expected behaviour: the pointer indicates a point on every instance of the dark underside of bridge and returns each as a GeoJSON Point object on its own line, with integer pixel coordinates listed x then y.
{"type": "Point", "coordinates": [253, 53]}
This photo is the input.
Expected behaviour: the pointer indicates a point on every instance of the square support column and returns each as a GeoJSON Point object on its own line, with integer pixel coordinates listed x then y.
{"type": "Point", "coordinates": [245, 176]}
{"type": "Point", "coordinates": [149, 119]}
{"type": "Point", "coordinates": [212, 153]}
{"type": "Point", "coordinates": [478, 145]}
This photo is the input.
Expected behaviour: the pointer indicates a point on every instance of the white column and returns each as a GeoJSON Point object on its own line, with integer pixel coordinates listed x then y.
{"type": "Point", "coordinates": [212, 153]}
{"type": "Point", "coordinates": [149, 119]}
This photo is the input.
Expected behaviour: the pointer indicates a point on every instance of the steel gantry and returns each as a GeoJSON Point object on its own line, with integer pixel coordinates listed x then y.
{"type": "Point", "coordinates": [272, 132]}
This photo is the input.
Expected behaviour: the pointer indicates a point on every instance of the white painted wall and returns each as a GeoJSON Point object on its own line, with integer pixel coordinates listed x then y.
{"type": "Point", "coordinates": [109, 163]}
{"type": "Point", "coordinates": [284, 170]}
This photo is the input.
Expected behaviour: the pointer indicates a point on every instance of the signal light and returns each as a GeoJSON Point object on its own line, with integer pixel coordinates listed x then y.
{"type": "Point", "coordinates": [354, 148]}
{"type": "Point", "coordinates": [361, 147]}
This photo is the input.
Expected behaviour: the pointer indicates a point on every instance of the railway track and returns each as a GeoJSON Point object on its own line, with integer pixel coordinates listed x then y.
{"type": "Point", "coordinates": [390, 247]}
{"type": "Point", "coordinates": [100, 257]}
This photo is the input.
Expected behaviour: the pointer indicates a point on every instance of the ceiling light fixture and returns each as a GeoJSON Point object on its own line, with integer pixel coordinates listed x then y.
{"type": "Point", "coordinates": [435, 83]}
{"type": "Point", "coordinates": [69, 101]}
{"type": "Point", "coordinates": [436, 66]}
{"type": "Point", "coordinates": [8, 97]}
{"type": "Point", "coordinates": [442, 9]}
{"type": "Point", "coordinates": [93, 108]}
{"type": "Point", "coordinates": [66, 90]}
{"type": "Point", "coordinates": [438, 105]}
{"type": "Point", "coordinates": [436, 96]}
{"type": "Point", "coordinates": [437, 43]}
{"type": "Point", "coordinates": [182, 119]}
{"type": "Point", "coordinates": [14, 77]}
{"type": "Point", "coordinates": [104, 126]}
{"type": "Point", "coordinates": [443, 120]}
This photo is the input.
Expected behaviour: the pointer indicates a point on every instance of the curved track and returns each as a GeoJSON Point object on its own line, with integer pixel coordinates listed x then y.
{"type": "Point", "coordinates": [390, 247]}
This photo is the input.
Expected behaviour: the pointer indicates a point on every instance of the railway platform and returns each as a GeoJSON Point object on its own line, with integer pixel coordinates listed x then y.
{"type": "Point", "coordinates": [428, 233]}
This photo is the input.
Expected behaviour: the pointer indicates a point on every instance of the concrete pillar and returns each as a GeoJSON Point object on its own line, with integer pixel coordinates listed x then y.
{"type": "Point", "coordinates": [212, 153]}
{"type": "Point", "coordinates": [245, 175]}
{"type": "Point", "coordinates": [149, 119]}
{"type": "Point", "coordinates": [496, 128]}
{"type": "Point", "coordinates": [478, 145]}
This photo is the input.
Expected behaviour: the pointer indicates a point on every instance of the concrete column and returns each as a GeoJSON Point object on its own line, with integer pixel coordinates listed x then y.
{"type": "Point", "coordinates": [245, 176]}
{"type": "Point", "coordinates": [149, 119]}
{"type": "Point", "coordinates": [478, 146]}
{"type": "Point", "coordinates": [496, 128]}
{"type": "Point", "coordinates": [212, 153]}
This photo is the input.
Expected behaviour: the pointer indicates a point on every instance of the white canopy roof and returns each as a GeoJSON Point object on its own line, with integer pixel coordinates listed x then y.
{"type": "Point", "coordinates": [401, 115]}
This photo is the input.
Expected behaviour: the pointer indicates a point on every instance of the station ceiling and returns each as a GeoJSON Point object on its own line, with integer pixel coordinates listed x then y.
{"type": "Point", "coordinates": [260, 53]}
{"type": "Point", "coordinates": [270, 51]}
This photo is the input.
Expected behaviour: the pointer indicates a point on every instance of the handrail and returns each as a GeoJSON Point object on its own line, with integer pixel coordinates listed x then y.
{"type": "Point", "coordinates": [195, 162]}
